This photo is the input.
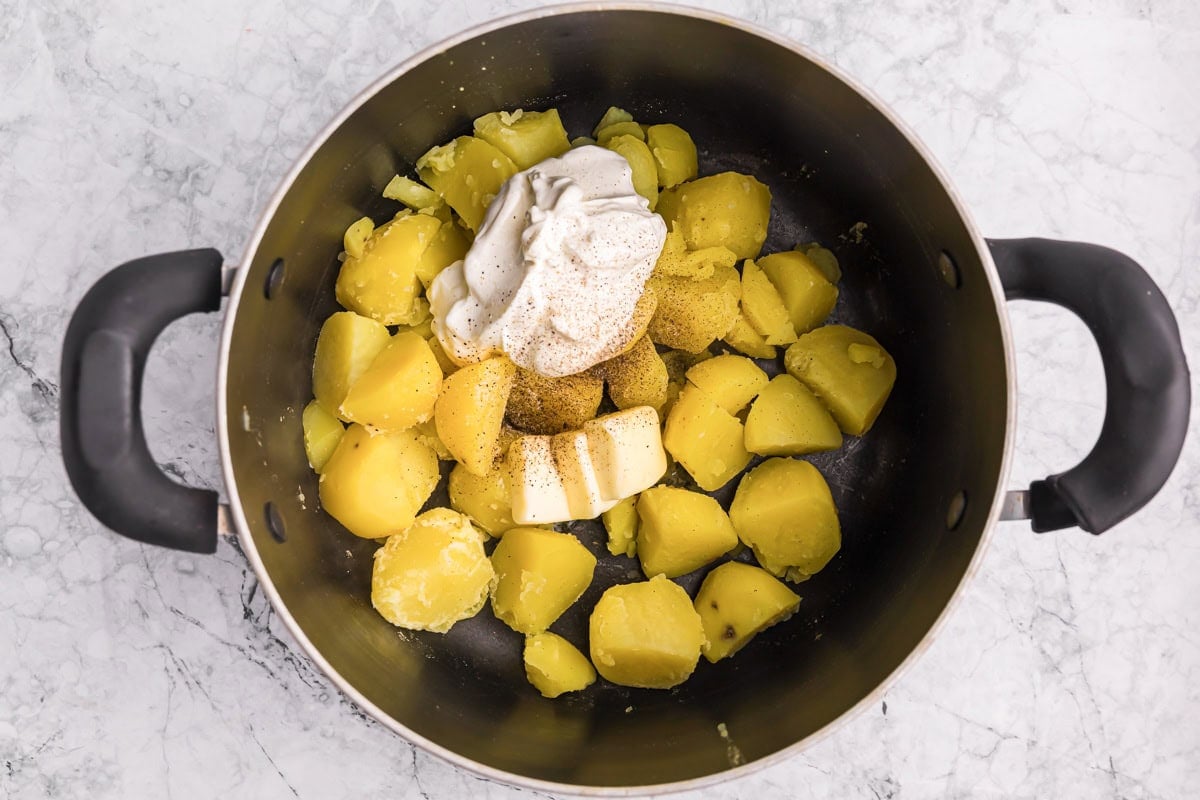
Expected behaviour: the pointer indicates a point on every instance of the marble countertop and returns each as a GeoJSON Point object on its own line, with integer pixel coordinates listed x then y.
{"type": "Point", "coordinates": [1070, 669]}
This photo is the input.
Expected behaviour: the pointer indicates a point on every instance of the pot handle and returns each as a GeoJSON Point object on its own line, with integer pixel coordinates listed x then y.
{"type": "Point", "coordinates": [104, 357]}
{"type": "Point", "coordinates": [1145, 373]}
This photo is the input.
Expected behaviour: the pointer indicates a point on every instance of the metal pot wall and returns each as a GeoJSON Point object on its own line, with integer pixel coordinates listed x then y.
{"type": "Point", "coordinates": [917, 497]}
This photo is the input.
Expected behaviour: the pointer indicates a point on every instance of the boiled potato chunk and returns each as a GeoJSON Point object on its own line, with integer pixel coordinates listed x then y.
{"type": "Point", "coordinates": [784, 512]}
{"type": "Point", "coordinates": [467, 173]}
{"type": "Point", "coordinates": [636, 378]}
{"type": "Point", "coordinates": [544, 405]}
{"type": "Point", "coordinates": [825, 260]}
{"type": "Point", "coordinates": [609, 132]}
{"type": "Point", "coordinates": [354, 240]}
{"type": "Point", "coordinates": [432, 574]}
{"type": "Point", "coordinates": [526, 137]}
{"type": "Point", "coordinates": [375, 483]}
{"type": "Point", "coordinates": [427, 432]}
{"type": "Point", "coordinates": [738, 601]}
{"type": "Point", "coordinates": [731, 381]}
{"type": "Point", "coordinates": [680, 531]}
{"type": "Point", "coordinates": [346, 346]}
{"type": "Point", "coordinates": [539, 574]}
{"type": "Point", "coordinates": [645, 174]}
{"type": "Point", "coordinates": [322, 432]}
{"type": "Point", "coordinates": [705, 439]}
{"type": "Point", "coordinates": [674, 153]}
{"type": "Point", "coordinates": [763, 308]}
{"type": "Point", "coordinates": [470, 412]}
{"type": "Point", "coordinates": [412, 194]}
{"type": "Point", "coordinates": [645, 634]}
{"type": "Point", "coordinates": [804, 287]}
{"type": "Point", "coordinates": [788, 420]}
{"type": "Point", "coordinates": [611, 117]}
{"type": "Point", "coordinates": [692, 314]}
{"type": "Point", "coordinates": [555, 666]}
{"type": "Point", "coordinates": [847, 369]}
{"type": "Point", "coordinates": [621, 523]}
{"type": "Point", "coordinates": [382, 282]}
{"type": "Point", "coordinates": [729, 210]}
{"type": "Point", "coordinates": [744, 339]}
{"type": "Point", "coordinates": [447, 246]}
{"type": "Point", "coordinates": [400, 387]}
{"type": "Point", "coordinates": [485, 499]}
{"type": "Point", "coordinates": [676, 260]}
{"type": "Point", "coordinates": [447, 364]}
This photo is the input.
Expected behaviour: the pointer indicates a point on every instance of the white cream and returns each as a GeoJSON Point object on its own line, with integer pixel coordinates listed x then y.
{"type": "Point", "coordinates": [558, 265]}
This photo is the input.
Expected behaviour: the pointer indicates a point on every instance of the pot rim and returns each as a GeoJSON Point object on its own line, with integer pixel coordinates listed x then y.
{"type": "Point", "coordinates": [247, 542]}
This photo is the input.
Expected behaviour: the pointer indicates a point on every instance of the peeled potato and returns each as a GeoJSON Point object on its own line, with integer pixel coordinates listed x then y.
{"type": "Point", "coordinates": [538, 404]}
{"type": "Point", "coordinates": [674, 153]}
{"type": "Point", "coordinates": [375, 483]}
{"type": "Point", "coordinates": [447, 246]}
{"type": "Point", "coordinates": [555, 666]}
{"type": "Point", "coordinates": [645, 634]}
{"type": "Point", "coordinates": [691, 314]}
{"type": "Point", "coordinates": [848, 370]}
{"type": "Point", "coordinates": [677, 261]}
{"type": "Point", "coordinates": [731, 381]}
{"type": "Point", "coordinates": [526, 137]}
{"type": "Point", "coordinates": [470, 412]}
{"type": "Point", "coordinates": [645, 174]}
{"type": "Point", "coordinates": [400, 387]}
{"type": "Point", "coordinates": [729, 210]}
{"type": "Point", "coordinates": [744, 339]}
{"type": "Point", "coordinates": [346, 346]}
{"type": "Point", "coordinates": [609, 132]}
{"type": "Point", "coordinates": [381, 283]}
{"type": "Point", "coordinates": [804, 288]}
{"type": "Point", "coordinates": [788, 420]}
{"type": "Point", "coordinates": [612, 116]}
{"type": "Point", "coordinates": [322, 432]}
{"type": "Point", "coordinates": [432, 574]}
{"type": "Point", "coordinates": [680, 531]}
{"type": "Point", "coordinates": [784, 512]}
{"type": "Point", "coordinates": [539, 574]}
{"type": "Point", "coordinates": [414, 195]}
{"type": "Point", "coordinates": [486, 499]}
{"type": "Point", "coordinates": [705, 439]}
{"type": "Point", "coordinates": [467, 173]}
{"type": "Point", "coordinates": [738, 601]}
{"type": "Point", "coordinates": [638, 377]}
{"type": "Point", "coordinates": [621, 524]}
{"type": "Point", "coordinates": [763, 308]}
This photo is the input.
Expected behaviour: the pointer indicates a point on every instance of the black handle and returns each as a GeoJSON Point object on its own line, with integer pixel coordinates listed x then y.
{"type": "Point", "coordinates": [104, 357]}
{"type": "Point", "coordinates": [1145, 372]}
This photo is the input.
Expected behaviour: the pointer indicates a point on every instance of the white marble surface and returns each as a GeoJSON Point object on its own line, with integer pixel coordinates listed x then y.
{"type": "Point", "coordinates": [1071, 668]}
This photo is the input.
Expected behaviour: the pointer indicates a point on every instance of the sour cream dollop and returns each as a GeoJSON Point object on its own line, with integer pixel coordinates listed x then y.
{"type": "Point", "coordinates": [555, 271]}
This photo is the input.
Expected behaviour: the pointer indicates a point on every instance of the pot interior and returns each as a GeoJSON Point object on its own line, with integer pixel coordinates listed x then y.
{"type": "Point", "coordinates": [832, 162]}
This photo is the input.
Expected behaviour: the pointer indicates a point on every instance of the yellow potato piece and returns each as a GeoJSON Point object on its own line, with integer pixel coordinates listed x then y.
{"type": "Point", "coordinates": [447, 246]}
{"type": "Point", "coordinates": [375, 483]}
{"type": "Point", "coordinates": [674, 153]}
{"type": "Point", "coordinates": [444, 361]}
{"type": "Point", "coordinates": [470, 412]}
{"type": "Point", "coordinates": [680, 531]}
{"type": "Point", "coordinates": [400, 387]}
{"type": "Point", "coordinates": [467, 173]}
{"type": "Point", "coordinates": [411, 193]}
{"type": "Point", "coordinates": [636, 378]}
{"type": "Point", "coordinates": [608, 132]}
{"type": "Point", "coordinates": [427, 434]}
{"type": "Point", "coordinates": [705, 439]}
{"type": "Point", "coordinates": [621, 524]}
{"type": "Point", "coordinates": [763, 308]}
{"type": "Point", "coordinates": [432, 574]}
{"type": "Point", "coordinates": [555, 666]}
{"type": "Point", "coordinates": [744, 339]}
{"type": "Point", "coordinates": [738, 601]}
{"type": "Point", "coordinates": [645, 634]}
{"type": "Point", "coordinates": [848, 370]}
{"type": "Point", "coordinates": [322, 432]}
{"type": "Point", "coordinates": [731, 381]}
{"type": "Point", "coordinates": [382, 283]}
{"type": "Point", "coordinates": [677, 261]}
{"type": "Point", "coordinates": [824, 259]}
{"type": "Point", "coordinates": [486, 499]}
{"type": "Point", "coordinates": [692, 314]}
{"type": "Point", "coordinates": [611, 117]}
{"type": "Point", "coordinates": [538, 404]}
{"type": "Point", "coordinates": [354, 240]}
{"type": "Point", "coordinates": [806, 292]}
{"type": "Point", "coordinates": [346, 346]}
{"type": "Point", "coordinates": [539, 574]}
{"type": "Point", "coordinates": [526, 137]}
{"type": "Point", "coordinates": [645, 174]}
{"type": "Point", "coordinates": [729, 210]}
{"type": "Point", "coordinates": [784, 512]}
{"type": "Point", "coordinates": [788, 420]}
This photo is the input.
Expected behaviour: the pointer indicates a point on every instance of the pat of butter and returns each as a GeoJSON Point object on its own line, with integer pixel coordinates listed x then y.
{"type": "Point", "coordinates": [537, 491]}
{"type": "Point", "coordinates": [626, 448]}
{"type": "Point", "coordinates": [572, 457]}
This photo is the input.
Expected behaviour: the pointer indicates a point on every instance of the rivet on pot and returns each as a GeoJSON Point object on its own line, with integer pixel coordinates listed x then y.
{"type": "Point", "coordinates": [275, 523]}
{"type": "Point", "coordinates": [956, 511]}
{"type": "Point", "coordinates": [949, 270]}
{"type": "Point", "coordinates": [274, 280]}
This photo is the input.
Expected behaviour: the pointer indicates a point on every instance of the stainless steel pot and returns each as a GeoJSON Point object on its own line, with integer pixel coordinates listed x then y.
{"type": "Point", "coordinates": [918, 496]}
